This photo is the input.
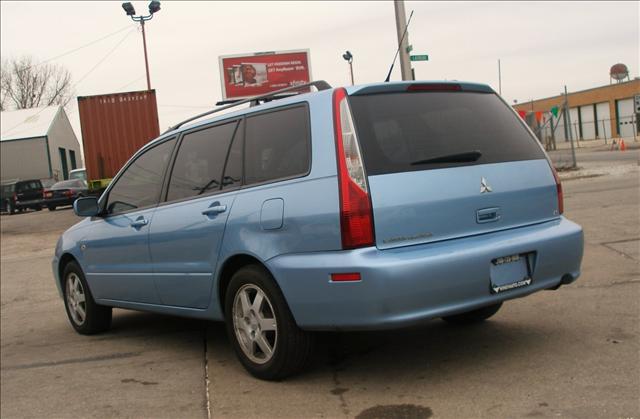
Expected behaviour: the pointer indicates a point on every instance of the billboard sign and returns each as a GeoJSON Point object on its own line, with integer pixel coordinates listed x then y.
{"type": "Point", "coordinates": [248, 75]}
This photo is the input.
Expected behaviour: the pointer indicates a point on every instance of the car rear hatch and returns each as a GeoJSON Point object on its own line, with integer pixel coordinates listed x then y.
{"type": "Point", "coordinates": [445, 161]}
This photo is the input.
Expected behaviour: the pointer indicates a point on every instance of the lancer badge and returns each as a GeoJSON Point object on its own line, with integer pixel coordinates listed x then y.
{"type": "Point", "coordinates": [484, 186]}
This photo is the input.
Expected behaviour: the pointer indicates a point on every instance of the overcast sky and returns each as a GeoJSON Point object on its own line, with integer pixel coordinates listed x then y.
{"type": "Point", "coordinates": [542, 45]}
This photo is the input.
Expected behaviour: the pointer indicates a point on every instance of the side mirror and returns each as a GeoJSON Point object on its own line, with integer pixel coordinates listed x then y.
{"type": "Point", "coordinates": [86, 207]}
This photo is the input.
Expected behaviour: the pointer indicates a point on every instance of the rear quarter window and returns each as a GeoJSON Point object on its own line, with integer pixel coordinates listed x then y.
{"type": "Point", "coordinates": [277, 145]}
{"type": "Point", "coordinates": [397, 130]}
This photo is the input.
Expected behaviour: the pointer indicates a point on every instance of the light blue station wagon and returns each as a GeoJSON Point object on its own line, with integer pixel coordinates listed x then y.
{"type": "Point", "coordinates": [367, 207]}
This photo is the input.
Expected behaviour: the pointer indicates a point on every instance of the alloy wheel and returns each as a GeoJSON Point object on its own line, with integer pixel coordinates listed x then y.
{"type": "Point", "coordinates": [255, 323]}
{"type": "Point", "coordinates": [76, 299]}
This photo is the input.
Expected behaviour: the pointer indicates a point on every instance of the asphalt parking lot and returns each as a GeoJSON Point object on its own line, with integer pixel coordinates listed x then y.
{"type": "Point", "coordinates": [574, 352]}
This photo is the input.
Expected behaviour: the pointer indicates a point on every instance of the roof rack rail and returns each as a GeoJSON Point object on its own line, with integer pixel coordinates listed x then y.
{"type": "Point", "coordinates": [319, 84]}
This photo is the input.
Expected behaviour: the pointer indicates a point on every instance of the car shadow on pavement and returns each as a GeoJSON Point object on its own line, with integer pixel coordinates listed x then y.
{"type": "Point", "coordinates": [128, 323]}
{"type": "Point", "coordinates": [432, 349]}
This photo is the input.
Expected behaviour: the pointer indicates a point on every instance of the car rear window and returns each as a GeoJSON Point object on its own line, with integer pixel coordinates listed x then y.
{"type": "Point", "coordinates": [399, 131]}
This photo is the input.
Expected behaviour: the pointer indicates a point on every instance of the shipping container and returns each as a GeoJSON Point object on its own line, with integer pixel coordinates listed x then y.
{"type": "Point", "coordinates": [114, 127]}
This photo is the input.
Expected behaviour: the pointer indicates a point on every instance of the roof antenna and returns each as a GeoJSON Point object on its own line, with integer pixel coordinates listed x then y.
{"type": "Point", "coordinates": [399, 45]}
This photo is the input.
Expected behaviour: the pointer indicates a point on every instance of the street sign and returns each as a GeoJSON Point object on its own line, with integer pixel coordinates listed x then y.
{"type": "Point", "coordinates": [424, 57]}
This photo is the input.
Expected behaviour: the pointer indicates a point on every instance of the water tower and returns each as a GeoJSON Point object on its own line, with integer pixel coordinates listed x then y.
{"type": "Point", "coordinates": [618, 72]}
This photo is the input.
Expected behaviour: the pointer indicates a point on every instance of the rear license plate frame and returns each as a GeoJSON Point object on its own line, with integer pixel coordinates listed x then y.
{"type": "Point", "coordinates": [511, 272]}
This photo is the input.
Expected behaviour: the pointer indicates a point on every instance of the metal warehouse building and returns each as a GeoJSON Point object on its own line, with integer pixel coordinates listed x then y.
{"type": "Point", "coordinates": [38, 143]}
{"type": "Point", "coordinates": [599, 113]}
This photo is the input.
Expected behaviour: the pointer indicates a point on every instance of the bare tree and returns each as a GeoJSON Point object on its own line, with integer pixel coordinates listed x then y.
{"type": "Point", "coordinates": [27, 84]}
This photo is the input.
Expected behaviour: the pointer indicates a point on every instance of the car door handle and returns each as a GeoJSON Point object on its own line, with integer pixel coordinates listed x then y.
{"type": "Point", "coordinates": [216, 209]}
{"type": "Point", "coordinates": [140, 222]}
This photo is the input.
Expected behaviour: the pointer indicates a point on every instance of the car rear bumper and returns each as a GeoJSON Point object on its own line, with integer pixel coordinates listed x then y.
{"type": "Point", "coordinates": [58, 201]}
{"type": "Point", "coordinates": [403, 286]}
{"type": "Point", "coordinates": [30, 203]}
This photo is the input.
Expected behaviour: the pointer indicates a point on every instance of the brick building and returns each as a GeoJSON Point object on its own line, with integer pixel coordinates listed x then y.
{"type": "Point", "coordinates": [601, 112]}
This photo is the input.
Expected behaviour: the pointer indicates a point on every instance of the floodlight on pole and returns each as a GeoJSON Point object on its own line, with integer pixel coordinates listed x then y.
{"type": "Point", "coordinates": [154, 7]}
{"type": "Point", "coordinates": [128, 9]}
{"type": "Point", "coordinates": [349, 58]}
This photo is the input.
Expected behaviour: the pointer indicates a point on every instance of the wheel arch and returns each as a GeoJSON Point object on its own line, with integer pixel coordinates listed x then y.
{"type": "Point", "coordinates": [230, 267]}
{"type": "Point", "coordinates": [65, 259]}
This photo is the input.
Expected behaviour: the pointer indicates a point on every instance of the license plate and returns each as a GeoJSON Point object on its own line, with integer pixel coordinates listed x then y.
{"type": "Point", "coordinates": [510, 272]}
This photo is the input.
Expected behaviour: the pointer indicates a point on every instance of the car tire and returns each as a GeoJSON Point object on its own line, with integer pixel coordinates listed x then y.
{"type": "Point", "coordinates": [38, 208]}
{"type": "Point", "coordinates": [51, 208]}
{"type": "Point", "coordinates": [474, 316]}
{"type": "Point", "coordinates": [265, 337]}
{"type": "Point", "coordinates": [84, 314]}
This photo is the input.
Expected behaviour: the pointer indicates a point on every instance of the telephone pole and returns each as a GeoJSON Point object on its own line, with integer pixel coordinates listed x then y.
{"type": "Point", "coordinates": [401, 24]}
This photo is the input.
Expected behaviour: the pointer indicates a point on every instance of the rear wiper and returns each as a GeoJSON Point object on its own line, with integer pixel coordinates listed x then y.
{"type": "Point", "coordinates": [469, 156]}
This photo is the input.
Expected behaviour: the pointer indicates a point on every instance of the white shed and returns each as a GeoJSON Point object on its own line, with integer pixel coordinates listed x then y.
{"type": "Point", "coordinates": [38, 143]}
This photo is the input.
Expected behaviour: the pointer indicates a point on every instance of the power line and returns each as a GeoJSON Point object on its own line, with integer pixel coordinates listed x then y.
{"type": "Point", "coordinates": [103, 58]}
{"type": "Point", "coordinates": [81, 78]}
{"type": "Point", "coordinates": [64, 54]}
{"type": "Point", "coordinates": [185, 106]}
{"type": "Point", "coordinates": [131, 82]}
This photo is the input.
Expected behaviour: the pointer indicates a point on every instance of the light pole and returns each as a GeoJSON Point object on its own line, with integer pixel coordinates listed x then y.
{"type": "Point", "coordinates": [349, 58]}
{"type": "Point", "coordinates": [154, 7]}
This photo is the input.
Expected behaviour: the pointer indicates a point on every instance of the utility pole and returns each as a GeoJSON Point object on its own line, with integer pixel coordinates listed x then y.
{"type": "Point", "coordinates": [401, 24]}
{"type": "Point", "coordinates": [566, 108]}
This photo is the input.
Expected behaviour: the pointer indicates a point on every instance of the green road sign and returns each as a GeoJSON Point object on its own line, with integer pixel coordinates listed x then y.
{"type": "Point", "coordinates": [424, 57]}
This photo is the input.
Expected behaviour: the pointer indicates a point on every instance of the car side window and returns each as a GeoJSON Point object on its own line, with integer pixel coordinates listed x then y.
{"type": "Point", "coordinates": [277, 145]}
{"type": "Point", "coordinates": [200, 161]}
{"type": "Point", "coordinates": [140, 184]}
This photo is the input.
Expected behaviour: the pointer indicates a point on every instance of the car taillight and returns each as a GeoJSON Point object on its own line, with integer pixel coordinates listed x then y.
{"type": "Point", "coordinates": [558, 190]}
{"type": "Point", "coordinates": [48, 194]}
{"type": "Point", "coordinates": [68, 193]}
{"type": "Point", "coordinates": [15, 197]}
{"type": "Point", "coordinates": [356, 218]}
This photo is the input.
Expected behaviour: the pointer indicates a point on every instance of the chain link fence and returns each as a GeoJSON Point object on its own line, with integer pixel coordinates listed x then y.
{"type": "Point", "coordinates": [556, 132]}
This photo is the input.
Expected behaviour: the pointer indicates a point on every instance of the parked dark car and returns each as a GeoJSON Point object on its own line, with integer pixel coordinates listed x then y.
{"type": "Point", "coordinates": [64, 193]}
{"type": "Point", "coordinates": [21, 194]}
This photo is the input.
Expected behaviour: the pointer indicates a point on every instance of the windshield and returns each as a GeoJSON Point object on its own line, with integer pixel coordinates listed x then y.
{"type": "Point", "coordinates": [67, 184]}
{"type": "Point", "coordinates": [80, 174]}
{"type": "Point", "coordinates": [401, 132]}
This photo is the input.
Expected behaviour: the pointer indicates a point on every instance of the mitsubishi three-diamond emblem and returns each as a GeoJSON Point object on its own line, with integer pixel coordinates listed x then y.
{"type": "Point", "coordinates": [484, 186]}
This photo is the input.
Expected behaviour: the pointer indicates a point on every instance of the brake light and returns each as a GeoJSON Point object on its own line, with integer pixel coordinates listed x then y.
{"type": "Point", "coordinates": [68, 193]}
{"type": "Point", "coordinates": [559, 190]}
{"type": "Point", "coordinates": [48, 194]}
{"type": "Point", "coordinates": [356, 218]}
{"type": "Point", "coordinates": [15, 197]}
{"type": "Point", "coordinates": [434, 87]}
